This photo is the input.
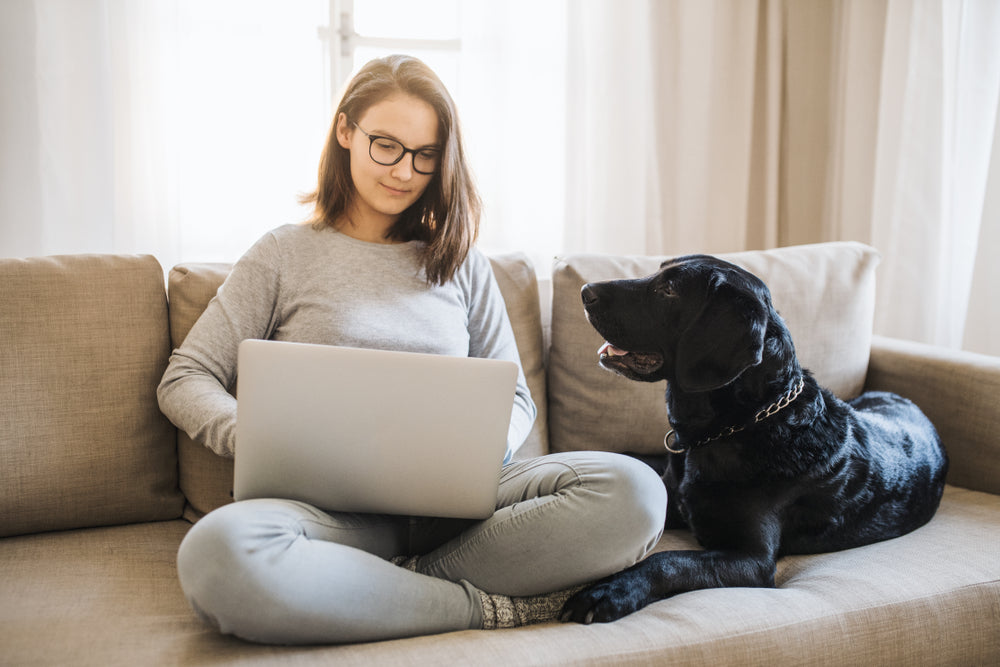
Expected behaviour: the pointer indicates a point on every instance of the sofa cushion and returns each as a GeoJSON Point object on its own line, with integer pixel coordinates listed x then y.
{"type": "Point", "coordinates": [82, 440]}
{"type": "Point", "coordinates": [110, 596]}
{"type": "Point", "coordinates": [516, 278]}
{"type": "Point", "coordinates": [825, 293]}
{"type": "Point", "coordinates": [206, 478]}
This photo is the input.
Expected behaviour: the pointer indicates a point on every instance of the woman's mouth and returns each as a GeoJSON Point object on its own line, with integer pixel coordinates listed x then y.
{"type": "Point", "coordinates": [395, 192]}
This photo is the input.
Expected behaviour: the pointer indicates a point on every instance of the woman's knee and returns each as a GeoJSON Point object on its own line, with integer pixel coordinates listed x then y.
{"type": "Point", "coordinates": [219, 562]}
{"type": "Point", "coordinates": [227, 537]}
{"type": "Point", "coordinates": [630, 500]}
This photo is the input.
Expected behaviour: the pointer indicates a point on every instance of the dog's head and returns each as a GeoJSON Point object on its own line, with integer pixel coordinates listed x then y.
{"type": "Point", "coordinates": [698, 323]}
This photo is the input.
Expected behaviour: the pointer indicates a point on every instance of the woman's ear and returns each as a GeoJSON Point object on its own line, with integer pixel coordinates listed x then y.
{"type": "Point", "coordinates": [344, 132]}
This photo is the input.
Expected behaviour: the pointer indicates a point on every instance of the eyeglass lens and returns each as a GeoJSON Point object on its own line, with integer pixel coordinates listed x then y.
{"type": "Point", "coordinates": [387, 151]}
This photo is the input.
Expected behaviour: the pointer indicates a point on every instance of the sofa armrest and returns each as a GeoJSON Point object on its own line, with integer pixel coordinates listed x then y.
{"type": "Point", "coordinates": [958, 391]}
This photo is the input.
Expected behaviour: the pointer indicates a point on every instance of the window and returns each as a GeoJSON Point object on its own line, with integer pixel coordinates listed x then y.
{"type": "Point", "coordinates": [249, 118]}
{"type": "Point", "coordinates": [429, 30]}
{"type": "Point", "coordinates": [258, 82]}
{"type": "Point", "coordinates": [504, 64]}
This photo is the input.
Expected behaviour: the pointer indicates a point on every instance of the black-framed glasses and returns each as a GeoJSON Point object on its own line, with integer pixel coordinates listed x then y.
{"type": "Point", "coordinates": [387, 152]}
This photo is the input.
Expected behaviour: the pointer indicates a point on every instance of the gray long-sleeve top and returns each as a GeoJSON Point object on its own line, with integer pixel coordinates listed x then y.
{"type": "Point", "coordinates": [320, 286]}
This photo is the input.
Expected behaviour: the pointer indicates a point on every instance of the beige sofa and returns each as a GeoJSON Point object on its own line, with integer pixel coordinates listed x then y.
{"type": "Point", "coordinates": [97, 488]}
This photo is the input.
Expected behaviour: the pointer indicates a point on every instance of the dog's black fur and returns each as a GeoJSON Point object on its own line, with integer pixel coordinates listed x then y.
{"type": "Point", "coordinates": [817, 475]}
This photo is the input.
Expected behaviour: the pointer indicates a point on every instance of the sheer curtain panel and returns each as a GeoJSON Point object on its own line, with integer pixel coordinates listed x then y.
{"type": "Point", "coordinates": [187, 128]}
{"type": "Point", "coordinates": [180, 128]}
{"type": "Point", "coordinates": [721, 125]}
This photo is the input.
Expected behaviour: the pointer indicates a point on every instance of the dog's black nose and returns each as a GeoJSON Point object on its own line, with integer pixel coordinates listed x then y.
{"type": "Point", "coordinates": [589, 294]}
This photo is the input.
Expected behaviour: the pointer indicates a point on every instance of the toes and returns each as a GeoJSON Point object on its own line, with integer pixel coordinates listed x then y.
{"type": "Point", "coordinates": [598, 604]}
{"type": "Point", "coordinates": [579, 608]}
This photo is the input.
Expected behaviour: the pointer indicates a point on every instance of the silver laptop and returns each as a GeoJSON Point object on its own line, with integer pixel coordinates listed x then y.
{"type": "Point", "coordinates": [357, 430]}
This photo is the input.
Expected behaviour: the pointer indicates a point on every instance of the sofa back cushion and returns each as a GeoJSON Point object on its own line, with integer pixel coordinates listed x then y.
{"type": "Point", "coordinates": [824, 292]}
{"type": "Point", "coordinates": [206, 478]}
{"type": "Point", "coordinates": [82, 439]}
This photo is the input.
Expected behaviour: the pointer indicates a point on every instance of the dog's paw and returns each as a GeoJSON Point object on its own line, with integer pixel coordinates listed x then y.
{"type": "Point", "coordinates": [606, 601]}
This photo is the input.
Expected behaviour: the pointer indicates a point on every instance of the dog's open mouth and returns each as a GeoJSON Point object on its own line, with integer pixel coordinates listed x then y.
{"type": "Point", "coordinates": [628, 363]}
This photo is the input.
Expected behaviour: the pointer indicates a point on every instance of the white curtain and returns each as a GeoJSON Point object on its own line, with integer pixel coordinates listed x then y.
{"type": "Point", "coordinates": [186, 128]}
{"type": "Point", "coordinates": [511, 96]}
{"type": "Point", "coordinates": [178, 128]}
{"type": "Point", "coordinates": [721, 125]}
{"type": "Point", "coordinates": [661, 126]}
{"type": "Point", "coordinates": [940, 85]}
{"type": "Point", "coordinates": [66, 126]}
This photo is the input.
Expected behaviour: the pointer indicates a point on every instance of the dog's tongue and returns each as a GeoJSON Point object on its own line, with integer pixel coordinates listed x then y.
{"type": "Point", "coordinates": [611, 350]}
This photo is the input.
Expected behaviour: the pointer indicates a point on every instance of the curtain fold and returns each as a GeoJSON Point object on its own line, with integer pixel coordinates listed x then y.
{"type": "Point", "coordinates": [941, 79]}
{"type": "Point", "coordinates": [721, 125]}
{"type": "Point", "coordinates": [611, 171]}
{"type": "Point", "coordinates": [982, 332]}
{"type": "Point", "coordinates": [178, 128]}
{"type": "Point", "coordinates": [661, 125]}
{"type": "Point", "coordinates": [88, 113]}
{"type": "Point", "coordinates": [20, 161]}
{"type": "Point", "coordinates": [186, 129]}
{"type": "Point", "coordinates": [511, 95]}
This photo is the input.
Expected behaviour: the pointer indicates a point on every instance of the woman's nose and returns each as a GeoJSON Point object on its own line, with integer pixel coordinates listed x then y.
{"type": "Point", "coordinates": [403, 170]}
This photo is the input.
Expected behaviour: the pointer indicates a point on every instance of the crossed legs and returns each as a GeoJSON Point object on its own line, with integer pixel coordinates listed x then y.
{"type": "Point", "coordinates": [280, 571]}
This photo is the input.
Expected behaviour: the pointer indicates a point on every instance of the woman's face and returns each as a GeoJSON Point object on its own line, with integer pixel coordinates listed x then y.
{"type": "Point", "coordinates": [384, 192]}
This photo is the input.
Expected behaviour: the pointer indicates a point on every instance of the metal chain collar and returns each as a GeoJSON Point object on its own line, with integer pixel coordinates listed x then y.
{"type": "Point", "coordinates": [783, 402]}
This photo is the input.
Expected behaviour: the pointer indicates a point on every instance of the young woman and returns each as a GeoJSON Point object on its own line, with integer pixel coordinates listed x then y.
{"type": "Point", "coordinates": [388, 262]}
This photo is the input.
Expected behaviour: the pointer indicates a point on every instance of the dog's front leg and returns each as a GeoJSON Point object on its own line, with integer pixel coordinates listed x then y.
{"type": "Point", "coordinates": [663, 575]}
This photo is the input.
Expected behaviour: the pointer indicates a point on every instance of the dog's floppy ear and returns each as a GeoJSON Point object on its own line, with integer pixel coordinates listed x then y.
{"type": "Point", "coordinates": [724, 340]}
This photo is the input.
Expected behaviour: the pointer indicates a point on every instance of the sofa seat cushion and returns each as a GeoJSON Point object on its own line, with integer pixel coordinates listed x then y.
{"type": "Point", "coordinates": [99, 596]}
{"type": "Point", "coordinates": [917, 599]}
{"type": "Point", "coordinates": [825, 293]}
{"type": "Point", "coordinates": [110, 596]}
{"type": "Point", "coordinates": [206, 479]}
{"type": "Point", "coordinates": [82, 439]}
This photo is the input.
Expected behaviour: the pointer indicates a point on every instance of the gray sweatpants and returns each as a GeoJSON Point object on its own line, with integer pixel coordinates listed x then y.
{"type": "Point", "coordinates": [281, 571]}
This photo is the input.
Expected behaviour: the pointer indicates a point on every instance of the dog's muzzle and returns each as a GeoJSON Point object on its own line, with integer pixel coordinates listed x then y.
{"type": "Point", "coordinates": [618, 360]}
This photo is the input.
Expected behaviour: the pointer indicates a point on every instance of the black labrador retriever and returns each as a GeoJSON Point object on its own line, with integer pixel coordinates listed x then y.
{"type": "Point", "coordinates": [764, 462]}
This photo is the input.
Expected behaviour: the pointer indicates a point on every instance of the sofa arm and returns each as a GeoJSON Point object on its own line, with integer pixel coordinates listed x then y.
{"type": "Point", "coordinates": [958, 391]}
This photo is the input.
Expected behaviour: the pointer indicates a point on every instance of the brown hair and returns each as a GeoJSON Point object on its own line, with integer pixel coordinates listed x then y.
{"type": "Point", "coordinates": [446, 217]}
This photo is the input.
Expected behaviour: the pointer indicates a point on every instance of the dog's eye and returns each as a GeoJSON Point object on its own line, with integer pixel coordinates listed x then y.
{"type": "Point", "coordinates": [665, 290]}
